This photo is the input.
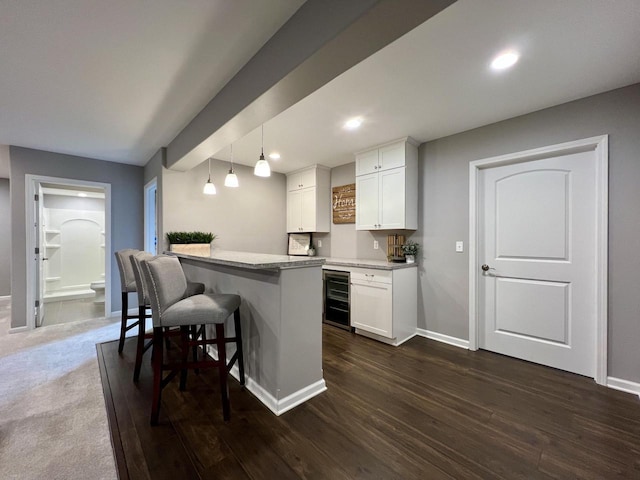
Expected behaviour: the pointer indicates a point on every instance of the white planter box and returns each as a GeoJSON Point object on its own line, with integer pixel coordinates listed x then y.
{"type": "Point", "coordinates": [196, 249]}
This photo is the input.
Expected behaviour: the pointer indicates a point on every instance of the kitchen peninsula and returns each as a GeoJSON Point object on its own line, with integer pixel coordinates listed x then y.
{"type": "Point", "coordinates": [281, 314]}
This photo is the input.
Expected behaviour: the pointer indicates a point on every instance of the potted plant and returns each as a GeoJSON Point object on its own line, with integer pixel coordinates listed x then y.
{"type": "Point", "coordinates": [191, 243]}
{"type": "Point", "coordinates": [410, 250]}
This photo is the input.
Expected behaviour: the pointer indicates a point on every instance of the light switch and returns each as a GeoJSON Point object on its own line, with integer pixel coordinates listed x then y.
{"type": "Point", "coordinates": [459, 247]}
{"type": "Point", "coordinates": [319, 243]}
{"type": "Point", "coordinates": [375, 245]}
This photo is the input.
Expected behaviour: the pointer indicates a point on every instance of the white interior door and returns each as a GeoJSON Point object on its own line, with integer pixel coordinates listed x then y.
{"type": "Point", "coordinates": [537, 238]}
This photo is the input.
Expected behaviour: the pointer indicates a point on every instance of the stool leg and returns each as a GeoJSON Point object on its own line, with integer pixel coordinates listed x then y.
{"type": "Point", "coordinates": [222, 369]}
{"type": "Point", "coordinates": [123, 321]}
{"type": "Point", "coordinates": [157, 359]}
{"type": "Point", "coordinates": [184, 350]}
{"type": "Point", "coordinates": [140, 346]}
{"type": "Point", "coordinates": [238, 327]}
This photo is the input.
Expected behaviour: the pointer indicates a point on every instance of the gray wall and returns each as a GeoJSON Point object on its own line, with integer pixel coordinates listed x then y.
{"type": "Point", "coordinates": [126, 211]}
{"type": "Point", "coordinates": [444, 200]}
{"type": "Point", "coordinates": [250, 218]}
{"type": "Point", "coordinates": [5, 238]}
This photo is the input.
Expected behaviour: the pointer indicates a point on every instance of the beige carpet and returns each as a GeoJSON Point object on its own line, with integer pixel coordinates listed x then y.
{"type": "Point", "coordinates": [53, 423]}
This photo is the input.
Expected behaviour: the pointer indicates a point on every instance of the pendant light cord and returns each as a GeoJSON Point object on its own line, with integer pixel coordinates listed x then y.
{"type": "Point", "coordinates": [209, 169]}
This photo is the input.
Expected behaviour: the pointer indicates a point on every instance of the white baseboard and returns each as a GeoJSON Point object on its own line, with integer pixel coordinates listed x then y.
{"type": "Point", "coordinates": [118, 313]}
{"type": "Point", "coordinates": [623, 385]}
{"type": "Point", "coordinates": [441, 337]}
{"type": "Point", "coordinates": [19, 329]}
{"type": "Point", "coordinates": [278, 407]}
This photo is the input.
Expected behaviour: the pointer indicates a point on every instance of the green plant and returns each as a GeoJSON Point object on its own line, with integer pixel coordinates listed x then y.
{"type": "Point", "coordinates": [411, 248]}
{"type": "Point", "coordinates": [190, 237]}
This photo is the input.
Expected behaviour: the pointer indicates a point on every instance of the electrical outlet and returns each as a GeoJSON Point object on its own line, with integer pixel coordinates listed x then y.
{"type": "Point", "coordinates": [459, 247]}
{"type": "Point", "coordinates": [375, 245]}
{"type": "Point", "coordinates": [319, 243]}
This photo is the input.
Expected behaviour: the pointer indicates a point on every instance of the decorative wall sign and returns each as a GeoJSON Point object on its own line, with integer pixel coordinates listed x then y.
{"type": "Point", "coordinates": [343, 204]}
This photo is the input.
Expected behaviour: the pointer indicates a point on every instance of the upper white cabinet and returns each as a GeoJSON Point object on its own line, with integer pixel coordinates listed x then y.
{"type": "Point", "coordinates": [387, 186]}
{"type": "Point", "coordinates": [309, 200]}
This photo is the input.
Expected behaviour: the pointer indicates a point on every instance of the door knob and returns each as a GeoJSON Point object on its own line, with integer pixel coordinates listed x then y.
{"type": "Point", "coordinates": [485, 267]}
{"type": "Point", "coordinates": [44, 259]}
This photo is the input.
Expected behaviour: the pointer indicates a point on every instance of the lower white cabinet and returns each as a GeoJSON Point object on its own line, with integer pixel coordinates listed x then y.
{"type": "Point", "coordinates": [384, 303]}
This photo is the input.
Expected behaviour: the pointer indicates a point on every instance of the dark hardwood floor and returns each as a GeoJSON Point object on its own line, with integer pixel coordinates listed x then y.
{"type": "Point", "coordinates": [424, 410]}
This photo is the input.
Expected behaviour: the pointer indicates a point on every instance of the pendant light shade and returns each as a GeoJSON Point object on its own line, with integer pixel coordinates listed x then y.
{"type": "Point", "coordinates": [231, 180]}
{"type": "Point", "coordinates": [262, 168]}
{"type": "Point", "coordinates": [209, 187]}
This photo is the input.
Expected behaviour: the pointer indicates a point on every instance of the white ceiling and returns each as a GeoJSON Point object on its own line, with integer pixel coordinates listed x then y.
{"type": "Point", "coordinates": [435, 81]}
{"type": "Point", "coordinates": [117, 80]}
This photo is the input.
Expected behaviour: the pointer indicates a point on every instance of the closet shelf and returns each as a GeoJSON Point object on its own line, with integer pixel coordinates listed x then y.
{"type": "Point", "coordinates": [52, 279]}
{"type": "Point", "coordinates": [52, 246]}
{"type": "Point", "coordinates": [53, 232]}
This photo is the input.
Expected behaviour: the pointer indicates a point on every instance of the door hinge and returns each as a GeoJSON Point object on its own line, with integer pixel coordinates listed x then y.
{"type": "Point", "coordinates": [36, 197]}
{"type": "Point", "coordinates": [37, 252]}
{"type": "Point", "coordinates": [37, 303]}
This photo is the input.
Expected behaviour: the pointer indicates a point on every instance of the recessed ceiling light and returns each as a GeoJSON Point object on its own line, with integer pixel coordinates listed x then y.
{"type": "Point", "coordinates": [82, 194]}
{"type": "Point", "coordinates": [353, 123]}
{"type": "Point", "coordinates": [274, 156]}
{"type": "Point", "coordinates": [505, 60]}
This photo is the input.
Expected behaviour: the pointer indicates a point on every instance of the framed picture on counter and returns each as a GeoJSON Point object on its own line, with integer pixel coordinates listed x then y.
{"type": "Point", "coordinates": [299, 243]}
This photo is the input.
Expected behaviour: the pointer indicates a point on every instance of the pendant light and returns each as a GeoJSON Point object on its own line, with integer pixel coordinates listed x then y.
{"type": "Point", "coordinates": [231, 180]}
{"type": "Point", "coordinates": [209, 187]}
{"type": "Point", "coordinates": [262, 168]}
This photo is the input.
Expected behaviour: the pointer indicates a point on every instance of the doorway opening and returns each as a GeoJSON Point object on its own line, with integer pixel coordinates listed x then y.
{"type": "Point", "coordinates": [69, 242]}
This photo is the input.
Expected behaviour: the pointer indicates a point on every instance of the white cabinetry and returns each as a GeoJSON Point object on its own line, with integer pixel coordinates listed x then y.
{"type": "Point", "coordinates": [309, 200]}
{"type": "Point", "coordinates": [384, 303]}
{"type": "Point", "coordinates": [387, 187]}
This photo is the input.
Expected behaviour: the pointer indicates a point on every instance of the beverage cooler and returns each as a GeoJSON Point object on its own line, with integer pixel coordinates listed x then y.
{"type": "Point", "coordinates": [336, 299]}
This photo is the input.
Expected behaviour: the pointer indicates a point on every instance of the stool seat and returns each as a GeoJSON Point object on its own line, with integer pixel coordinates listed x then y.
{"type": "Point", "coordinates": [202, 309]}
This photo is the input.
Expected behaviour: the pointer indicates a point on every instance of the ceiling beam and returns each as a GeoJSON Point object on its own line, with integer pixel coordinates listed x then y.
{"type": "Point", "coordinates": [323, 39]}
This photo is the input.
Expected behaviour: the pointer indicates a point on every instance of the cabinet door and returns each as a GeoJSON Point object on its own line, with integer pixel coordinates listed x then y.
{"type": "Point", "coordinates": [308, 209]}
{"type": "Point", "coordinates": [293, 182]}
{"type": "Point", "coordinates": [367, 200]}
{"type": "Point", "coordinates": [294, 211]}
{"type": "Point", "coordinates": [371, 307]}
{"type": "Point", "coordinates": [308, 178]}
{"type": "Point", "coordinates": [367, 162]}
{"type": "Point", "coordinates": [391, 156]}
{"type": "Point", "coordinates": [392, 198]}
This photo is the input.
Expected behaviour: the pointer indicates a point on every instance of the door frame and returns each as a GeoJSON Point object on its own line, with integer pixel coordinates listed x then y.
{"type": "Point", "coordinates": [31, 187]}
{"type": "Point", "coordinates": [600, 146]}
{"type": "Point", "coordinates": [151, 185]}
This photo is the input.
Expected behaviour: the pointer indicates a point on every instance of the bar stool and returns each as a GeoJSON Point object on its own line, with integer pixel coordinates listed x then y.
{"type": "Point", "coordinates": [193, 288]}
{"type": "Point", "coordinates": [128, 285]}
{"type": "Point", "coordinates": [167, 285]}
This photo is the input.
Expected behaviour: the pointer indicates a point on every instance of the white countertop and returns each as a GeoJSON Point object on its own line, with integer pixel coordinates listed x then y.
{"type": "Point", "coordinates": [254, 261]}
{"type": "Point", "coordinates": [364, 263]}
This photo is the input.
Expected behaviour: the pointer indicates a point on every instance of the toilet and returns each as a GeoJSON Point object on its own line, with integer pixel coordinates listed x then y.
{"type": "Point", "coordinates": [98, 287]}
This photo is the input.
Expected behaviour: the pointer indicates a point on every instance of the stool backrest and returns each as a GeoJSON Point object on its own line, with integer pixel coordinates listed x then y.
{"type": "Point", "coordinates": [166, 283]}
{"type": "Point", "coordinates": [127, 279]}
{"type": "Point", "coordinates": [141, 283]}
